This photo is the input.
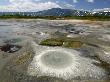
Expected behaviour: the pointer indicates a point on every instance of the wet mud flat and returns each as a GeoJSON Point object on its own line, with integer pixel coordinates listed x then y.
{"type": "Point", "coordinates": [35, 50]}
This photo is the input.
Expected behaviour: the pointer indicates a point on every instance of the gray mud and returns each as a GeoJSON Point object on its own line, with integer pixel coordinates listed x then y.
{"type": "Point", "coordinates": [17, 51]}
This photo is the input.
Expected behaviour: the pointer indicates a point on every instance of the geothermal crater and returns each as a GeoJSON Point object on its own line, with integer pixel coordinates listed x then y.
{"type": "Point", "coordinates": [56, 59]}
{"type": "Point", "coordinates": [62, 63]}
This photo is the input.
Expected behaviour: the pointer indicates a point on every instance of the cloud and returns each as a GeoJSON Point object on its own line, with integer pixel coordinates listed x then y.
{"type": "Point", "coordinates": [75, 1]}
{"type": "Point", "coordinates": [91, 1]}
{"type": "Point", "coordinates": [28, 5]}
{"type": "Point", "coordinates": [68, 6]}
{"type": "Point", "coordinates": [102, 10]}
{"type": "Point", "coordinates": [37, 5]}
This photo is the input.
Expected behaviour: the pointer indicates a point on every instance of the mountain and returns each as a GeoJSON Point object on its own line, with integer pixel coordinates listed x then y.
{"type": "Point", "coordinates": [59, 12]}
{"type": "Point", "coordinates": [71, 12]}
{"type": "Point", "coordinates": [50, 12]}
{"type": "Point", "coordinates": [62, 12]}
{"type": "Point", "coordinates": [101, 12]}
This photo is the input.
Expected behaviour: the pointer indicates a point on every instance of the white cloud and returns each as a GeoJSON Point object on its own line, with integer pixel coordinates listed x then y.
{"type": "Point", "coordinates": [28, 5]}
{"type": "Point", "coordinates": [68, 6]}
{"type": "Point", "coordinates": [75, 1]}
{"type": "Point", "coordinates": [91, 1]}
{"type": "Point", "coordinates": [101, 10]}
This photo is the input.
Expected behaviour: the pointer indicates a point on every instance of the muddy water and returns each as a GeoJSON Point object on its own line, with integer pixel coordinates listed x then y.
{"type": "Point", "coordinates": [17, 37]}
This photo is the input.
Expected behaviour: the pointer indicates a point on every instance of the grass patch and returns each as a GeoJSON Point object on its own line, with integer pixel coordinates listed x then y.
{"type": "Point", "coordinates": [73, 44]}
{"type": "Point", "coordinates": [64, 42]}
{"type": "Point", "coordinates": [93, 18]}
{"type": "Point", "coordinates": [52, 42]}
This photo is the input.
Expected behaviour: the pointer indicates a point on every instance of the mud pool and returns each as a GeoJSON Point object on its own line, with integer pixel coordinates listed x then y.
{"type": "Point", "coordinates": [36, 50]}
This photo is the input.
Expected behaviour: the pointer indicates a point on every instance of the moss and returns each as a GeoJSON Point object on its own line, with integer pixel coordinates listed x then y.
{"type": "Point", "coordinates": [52, 42]}
{"type": "Point", "coordinates": [73, 44]}
{"type": "Point", "coordinates": [64, 42]}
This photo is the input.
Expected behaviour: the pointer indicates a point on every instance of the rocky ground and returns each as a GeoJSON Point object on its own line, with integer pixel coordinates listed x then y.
{"type": "Point", "coordinates": [89, 38]}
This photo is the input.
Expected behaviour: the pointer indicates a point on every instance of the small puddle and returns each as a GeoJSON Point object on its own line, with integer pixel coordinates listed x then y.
{"type": "Point", "coordinates": [10, 48]}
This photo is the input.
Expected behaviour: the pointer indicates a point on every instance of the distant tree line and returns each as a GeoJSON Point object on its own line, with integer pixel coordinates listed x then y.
{"type": "Point", "coordinates": [88, 17]}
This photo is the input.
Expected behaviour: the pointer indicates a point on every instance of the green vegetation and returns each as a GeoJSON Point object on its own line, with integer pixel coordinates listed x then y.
{"type": "Point", "coordinates": [17, 16]}
{"type": "Point", "coordinates": [57, 17]}
{"type": "Point", "coordinates": [64, 42]}
{"type": "Point", "coordinates": [73, 44]}
{"type": "Point", "coordinates": [52, 42]}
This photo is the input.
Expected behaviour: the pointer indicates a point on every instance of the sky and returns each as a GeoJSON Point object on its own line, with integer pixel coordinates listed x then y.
{"type": "Point", "coordinates": [39, 5]}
